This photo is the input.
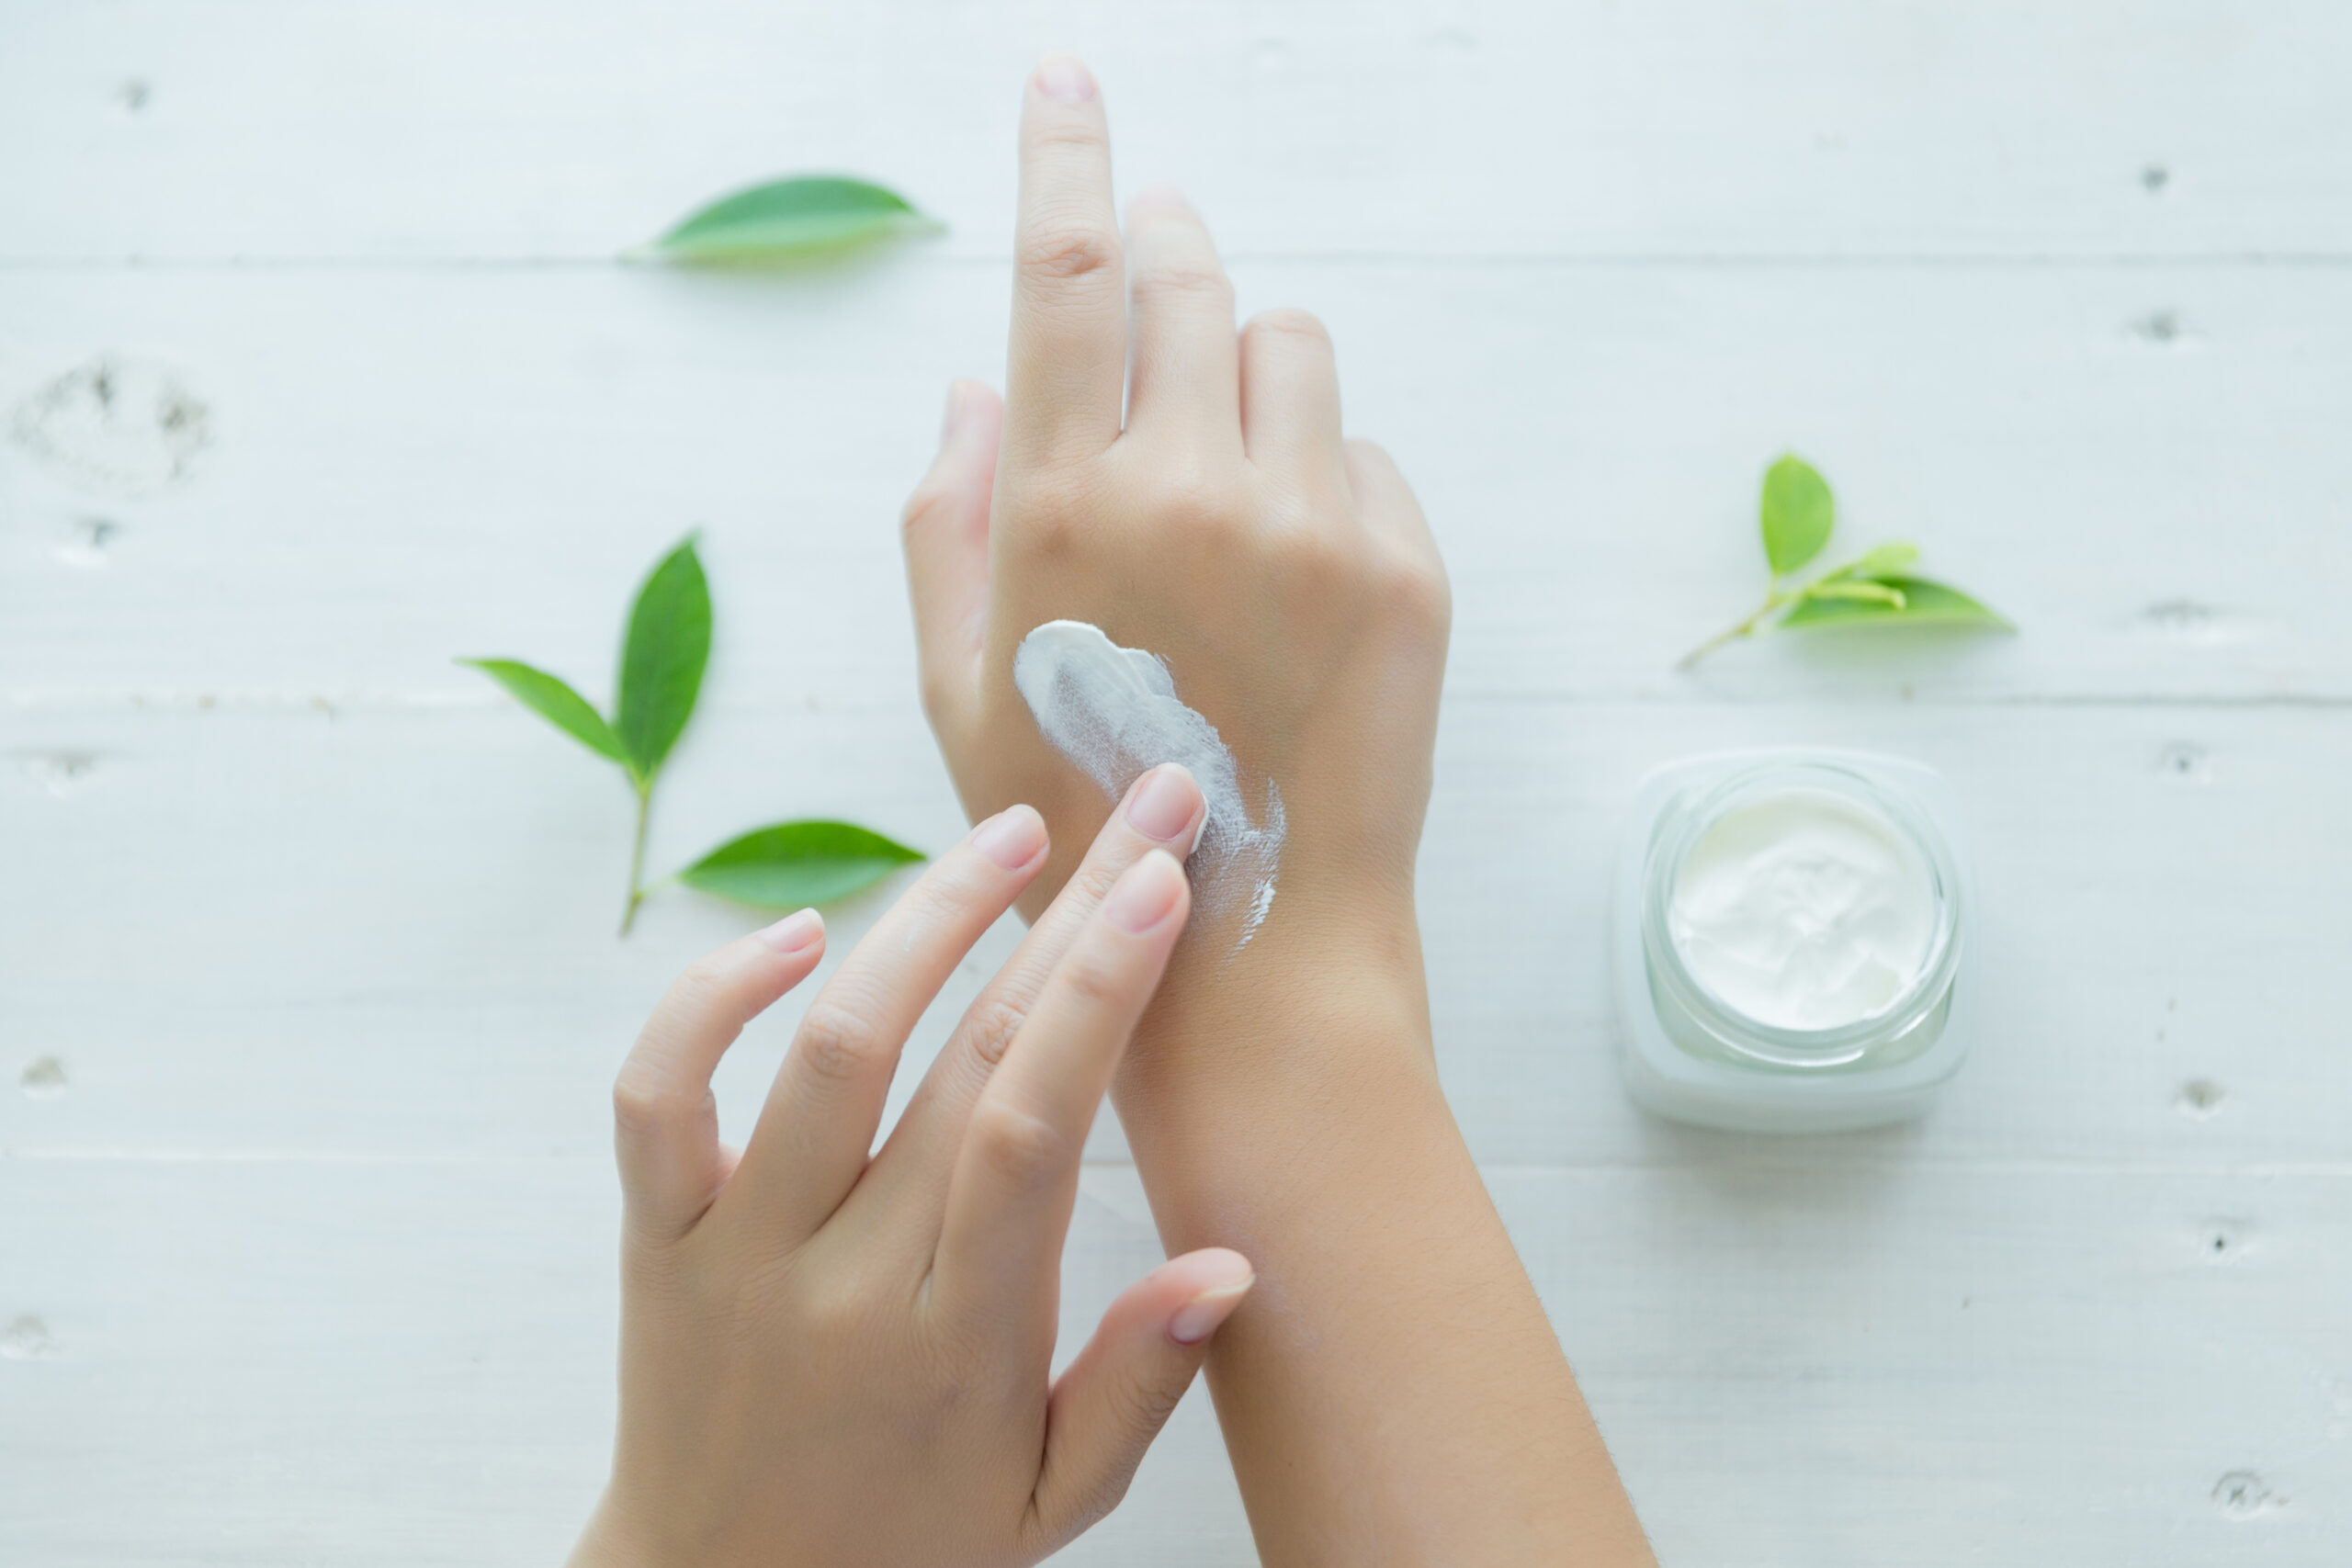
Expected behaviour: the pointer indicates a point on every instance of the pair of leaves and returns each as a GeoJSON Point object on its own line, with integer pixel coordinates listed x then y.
{"type": "Point", "coordinates": [663, 655]}
{"type": "Point", "coordinates": [663, 660]}
{"type": "Point", "coordinates": [1798, 512]}
{"type": "Point", "coordinates": [1877, 588]}
{"type": "Point", "coordinates": [804, 219]}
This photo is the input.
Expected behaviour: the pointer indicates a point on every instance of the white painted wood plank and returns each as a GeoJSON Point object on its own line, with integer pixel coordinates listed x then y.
{"type": "Point", "coordinates": [403, 466]}
{"type": "Point", "coordinates": [240, 129]}
{"type": "Point", "coordinates": [398, 1363]}
{"type": "Point", "coordinates": [391, 932]}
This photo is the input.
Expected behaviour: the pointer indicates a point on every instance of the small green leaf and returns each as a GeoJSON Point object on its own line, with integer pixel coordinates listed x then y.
{"type": "Point", "coordinates": [1886, 561]}
{"type": "Point", "coordinates": [1797, 513]}
{"type": "Point", "coordinates": [662, 663]}
{"type": "Point", "coordinates": [1841, 588]}
{"type": "Point", "coordinates": [557, 702]}
{"type": "Point", "coordinates": [1924, 603]}
{"type": "Point", "coordinates": [792, 863]}
{"type": "Point", "coordinates": [791, 220]}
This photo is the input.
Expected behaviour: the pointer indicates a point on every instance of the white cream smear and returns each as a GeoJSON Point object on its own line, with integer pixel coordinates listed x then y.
{"type": "Point", "coordinates": [1803, 910]}
{"type": "Point", "coordinates": [1114, 711]}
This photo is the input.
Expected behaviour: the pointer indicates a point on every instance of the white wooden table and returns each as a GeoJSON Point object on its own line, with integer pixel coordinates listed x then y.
{"type": "Point", "coordinates": [309, 994]}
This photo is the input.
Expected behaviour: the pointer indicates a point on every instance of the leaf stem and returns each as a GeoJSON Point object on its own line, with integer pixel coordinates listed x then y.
{"type": "Point", "coordinates": [637, 855]}
{"type": "Point", "coordinates": [1777, 598]}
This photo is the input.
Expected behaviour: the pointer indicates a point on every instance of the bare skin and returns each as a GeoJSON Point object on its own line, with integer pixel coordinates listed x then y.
{"type": "Point", "coordinates": [832, 1359]}
{"type": "Point", "coordinates": [1392, 1390]}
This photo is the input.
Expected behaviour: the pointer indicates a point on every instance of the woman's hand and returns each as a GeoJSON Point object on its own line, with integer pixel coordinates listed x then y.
{"type": "Point", "coordinates": [1285, 573]}
{"type": "Point", "coordinates": [832, 1359]}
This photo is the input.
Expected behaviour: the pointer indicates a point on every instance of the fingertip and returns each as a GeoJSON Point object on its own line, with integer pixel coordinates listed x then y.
{"type": "Point", "coordinates": [798, 935]}
{"type": "Point", "coordinates": [1063, 78]}
{"type": "Point", "coordinates": [1222, 1278]}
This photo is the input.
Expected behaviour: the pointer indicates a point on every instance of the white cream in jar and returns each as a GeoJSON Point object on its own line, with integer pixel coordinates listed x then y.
{"type": "Point", "coordinates": [1803, 910]}
{"type": "Point", "coordinates": [1791, 936]}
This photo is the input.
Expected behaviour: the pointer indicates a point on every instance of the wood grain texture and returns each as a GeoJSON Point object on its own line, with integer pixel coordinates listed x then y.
{"type": "Point", "coordinates": [309, 995]}
{"type": "Point", "coordinates": [403, 466]}
{"type": "Point", "coordinates": [432, 130]}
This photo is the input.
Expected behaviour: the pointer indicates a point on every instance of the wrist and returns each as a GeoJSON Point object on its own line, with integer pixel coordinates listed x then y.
{"type": "Point", "coordinates": [1337, 988]}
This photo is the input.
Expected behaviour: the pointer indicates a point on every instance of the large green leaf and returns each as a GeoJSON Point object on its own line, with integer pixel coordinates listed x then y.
{"type": "Point", "coordinates": [1924, 603]}
{"type": "Point", "coordinates": [791, 220]}
{"type": "Point", "coordinates": [792, 863]}
{"type": "Point", "coordinates": [663, 660]}
{"type": "Point", "coordinates": [1798, 514]}
{"type": "Point", "coordinates": [557, 702]}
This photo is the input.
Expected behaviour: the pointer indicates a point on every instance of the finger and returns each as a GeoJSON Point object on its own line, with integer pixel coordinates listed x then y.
{"type": "Point", "coordinates": [1187, 375]}
{"type": "Point", "coordinates": [665, 1123]}
{"type": "Point", "coordinates": [1112, 1401]}
{"type": "Point", "coordinates": [1290, 397]}
{"type": "Point", "coordinates": [1163, 810]}
{"type": "Point", "coordinates": [946, 531]}
{"type": "Point", "coordinates": [1069, 335]}
{"type": "Point", "coordinates": [1016, 1174]}
{"type": "Point", "coordinates": [819, 1121]}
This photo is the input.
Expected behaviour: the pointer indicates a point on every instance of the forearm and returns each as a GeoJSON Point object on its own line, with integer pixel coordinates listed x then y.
{"type": "Point", "coordinates": [1393, 1393]}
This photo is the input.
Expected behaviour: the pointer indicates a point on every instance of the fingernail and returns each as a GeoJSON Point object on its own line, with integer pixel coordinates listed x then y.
{"type": "Point", "coordinates": [1144, 893]}
{"type": "Point", "coordinates": [1163, 195]}
{"type": "Point", "coordinates": [1064, 79]}
{"type": "Point", "coordinates": [1163, 802]}
{"type": "Point", "coordinates": [1012, 837]}
{"type": "Point", "coordinates": [1201, 1316]}
{"type": "Point", "coordinates": [957, 403]}
{"type": "Point", "coordinates": [795, 933]}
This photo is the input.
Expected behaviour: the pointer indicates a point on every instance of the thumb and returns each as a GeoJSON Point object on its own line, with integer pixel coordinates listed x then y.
{"type": "Point", "coordinates": [946, 530]}
{"type": "Point", "coordinates": [1110, 1402]}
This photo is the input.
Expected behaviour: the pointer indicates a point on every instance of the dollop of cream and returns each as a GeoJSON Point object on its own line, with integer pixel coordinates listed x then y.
{"type": "Point", "coordinates": [1114, 711]}
{"type": "Point", "coordinates": [1805, 909]}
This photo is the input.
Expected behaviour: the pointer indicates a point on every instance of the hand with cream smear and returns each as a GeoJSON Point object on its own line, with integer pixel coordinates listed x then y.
{"type": "Point", "coordinates": [832, 1359]}
{"type": "Point", "coordinates": [1221, 578]}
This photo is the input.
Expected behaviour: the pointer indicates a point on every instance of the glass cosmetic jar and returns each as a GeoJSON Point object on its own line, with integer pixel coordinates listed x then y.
{"type": "Point", "coordinates": [1792, 938]}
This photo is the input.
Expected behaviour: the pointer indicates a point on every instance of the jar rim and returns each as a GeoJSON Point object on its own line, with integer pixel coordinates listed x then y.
{"type": "Point", "coordinates": [1691, 812]}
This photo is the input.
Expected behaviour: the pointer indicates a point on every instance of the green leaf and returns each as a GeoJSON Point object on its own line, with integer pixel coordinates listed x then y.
{"type": "Point", "coordinates": [557, 702]}
{"type": "Point", "coordinates": [1797, 513]}
{"type": "Point", "coordinates": [1886, 561]}
{"type": "Point", "coordinates": [662, 663]}
{"type": "Point", "coordinates": [1835, 588]}
{"type": "Point", "coordinates": [792, 863]}
{"type": "Point", "coordinates": [791, 220]}
{"type": "Point", "coordinates": [1924, 603]}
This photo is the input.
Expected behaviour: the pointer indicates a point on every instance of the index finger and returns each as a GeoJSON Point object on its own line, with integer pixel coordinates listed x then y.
{"type": "Point", "coordinates": [1016, 1176]}
{"type": "Point", "coordinates": [1069, 357]}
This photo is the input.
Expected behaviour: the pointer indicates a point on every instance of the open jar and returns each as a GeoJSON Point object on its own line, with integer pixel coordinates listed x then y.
{"type": "Point", "coordinates": [1793, 937]}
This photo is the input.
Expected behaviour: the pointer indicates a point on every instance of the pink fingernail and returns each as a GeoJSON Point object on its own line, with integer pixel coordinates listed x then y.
{"type": "Point", "coordinates": [957, 403]}
{"type": "Point", "coordinates": [1204, 1314]}
{"type": "Point", "coordinates": [1163, 802]}
{"type": "Point", "coordinates": [1064, 79]}
{"type": "Point", "coordinates": [795, 933]}
{"type": "Point", "coordinates": [1012, 837]}
{"type": "Point", "coordinates": [1144, 893]}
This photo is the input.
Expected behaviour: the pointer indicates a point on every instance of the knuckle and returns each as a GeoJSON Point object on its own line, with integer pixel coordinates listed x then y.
{"type": "Point", "coordinates": [1183, 283]}
{"type": "Point", "coordinates": [640, 1103]}
{"type": "Point", "coordinates": [1023, 1151]}
{"type": "Point", "coordinates": [837, 1044]}
{"type": "Point", "coordinates": [1289, 323]}
{"type": "Point", "coordinates": [1096, 976]}
{"type": "Point", "coordinates": [1197, 495]}
{"type": "Point", "coordinates": [989, 1028]}
{"type": "Point", "coordinates": [1416, 592]}
{"type": "Point", "coordinates": [1068, 252]}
